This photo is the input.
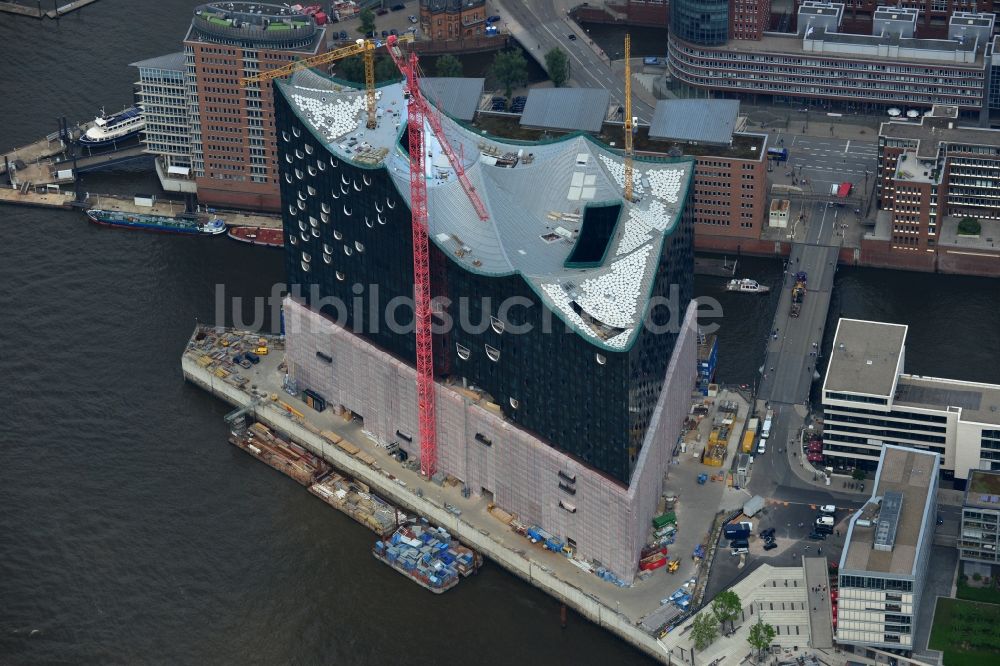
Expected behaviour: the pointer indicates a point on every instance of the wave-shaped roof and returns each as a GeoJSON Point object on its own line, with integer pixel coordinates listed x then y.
{"type": "Point", "coordinates": [536, 195]}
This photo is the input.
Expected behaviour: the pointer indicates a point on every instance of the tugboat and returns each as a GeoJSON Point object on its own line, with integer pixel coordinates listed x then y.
{"type": "Point", "coordinates": [747, 286]}
{"type": "Point", "coordinates": [118, 127]}
{"type": "Point", "coordinates": [172, 225]}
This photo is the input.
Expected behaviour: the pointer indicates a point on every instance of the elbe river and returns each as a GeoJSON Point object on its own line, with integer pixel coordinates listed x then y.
{"type": "Point", "coordinates": [131, 532]}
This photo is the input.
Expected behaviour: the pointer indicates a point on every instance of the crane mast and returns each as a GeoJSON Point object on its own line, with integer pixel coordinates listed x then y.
{"type": "Point", "coordinates": [629, 148]}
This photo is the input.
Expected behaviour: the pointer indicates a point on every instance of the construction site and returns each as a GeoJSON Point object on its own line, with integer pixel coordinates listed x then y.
{"type": "Point", "coordinates": [544, 403]}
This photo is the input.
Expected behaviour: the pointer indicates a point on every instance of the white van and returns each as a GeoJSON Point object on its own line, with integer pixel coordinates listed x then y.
{"type": "Point", "coordinates": [825, 521]}
{"type": "Point", "coordinates": [762, 446]}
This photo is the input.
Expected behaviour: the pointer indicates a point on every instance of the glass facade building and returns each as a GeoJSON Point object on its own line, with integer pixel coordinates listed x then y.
{"type": "Point", "coordinates": [703, 22]}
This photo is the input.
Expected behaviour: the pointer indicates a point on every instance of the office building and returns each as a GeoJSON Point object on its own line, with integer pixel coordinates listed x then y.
{"type": "Point", "coordinates": [565, 375]}
{"type": "Point", "coordinates": [979, 540]}
{"type": "Point", "coordinates": [932, 15]}
{"type": "Point", "coordinates": [869, 403]}
{"type": "Point", "coordinates": [702, 22]}
{"type": "Point", "coordinates": [233, 154]}
{"type": "Point", "coordinates": [729, 195]}
{"type": "Point", "coordinates": [162, 90]}
{"type": "Point", "coordinates": [749, 19]}
{"type": "Point", "coordinates": [932, 169]}
{"type": "Point", "coordinates": [886, 553]}
{"type": "Point", "coordinates": [822, 65]}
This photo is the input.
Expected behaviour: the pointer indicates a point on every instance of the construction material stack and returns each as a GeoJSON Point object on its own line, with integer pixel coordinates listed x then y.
{"type": "Point", "coordinates": [798, 293]}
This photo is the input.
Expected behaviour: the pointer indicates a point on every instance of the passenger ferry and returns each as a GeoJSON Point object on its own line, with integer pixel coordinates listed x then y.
{"type": "Point", "coordinates": [115, 128]}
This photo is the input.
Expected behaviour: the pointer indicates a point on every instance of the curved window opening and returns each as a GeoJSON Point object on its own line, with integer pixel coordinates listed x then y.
{"type": "Point", "coordinates": [378, 209]}
{"type": "Point", "coordinates": [324, 217]}
{"type": "Point", "coordinates": [327, 259]}
{"type": "Point", "coordinates": [359, 246]}
{"type": "Point", "coordinates": [292, 210]}
{"type": "Point", "coordinates": [315, 233]}
{"type": "Point", "coordinates": [514, 402]}
{"type": "Point", "coordinates": [327, 248]}
{"type": "Point", "coordinates": [296, 131]}
{"type": "Point", "coordinates": [492, 352]}
{"type": "Point", "coordinates": [311, 190]}
{"type": "Point", "coordinates": [321, 165]}
{"type": "Point", "coordinates": [390, 203]}
{"type": "Point", "coordinates": [325, 207]}
{"type": "Point", "coordinates": [309, 149]}
{"type": "Point", "coordinates": [299, 174]}
{"type": "Point", "coordinates": [288, 177]}
{"type": "Point", "coordinates": [304, 235]}
{"type": "Point", "coordinates": [306, 257]}
{"type": "Point", "coordinates": [601, 360]}
{"type": "Point", "coordinates": [285, 136]}
{"type": "Point", "coordinates": [381, 220]}
{"type": "Point", "coordinates": [305, 267]}
{"type": "Point", "coordinates": [369, 223]}
{"type": "Point", "coordinates": [301, 204]}
{"type": "Point", "coordinates": [293, 239]}
{"type": "Point", "coordinates": [288, 158]}
{"type": "Point", "coordinates": [301, 196]}
{"type": "Point", "coordinates": [463, 352]}
{"type": "Point", "coordinates": [496, 324]}
{"type": "Point", "coordinates": [366, 179]}
{"type": "Point", "coordinates": [313, 221]}
{"type": "Point", "coordinates": [344, 189]}
{"type": "Point", "coordinates": [348, 251]}
{"type": "Point", "coordinates": [302, 225]}
{"type": "Point", "coordinates": [357, 188]}
{"type": "Point", "coordinates": [337, 234]}
{"type": "Point", "coordinates": [335, 194]}
{"type": "Point", "coordinates": [334, 163]}
{"type": "Point", "coordinates": [340, 276]}
{"type": "Point", "coordinates": [298, 154]}
{"type": "Point", "coordinates": [311, 170]}
{"type": "Point", "coordinates": [347, 212]}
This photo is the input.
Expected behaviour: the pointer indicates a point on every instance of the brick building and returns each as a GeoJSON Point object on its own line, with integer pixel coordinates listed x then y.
{"type": "Point", "coordinates": [233, 154]}
{"type": "Point", "coordinates": [729, 192]}
{"type": "Point", "coordinates": [933, 169]}
{"type": "Point", "coordinates": [934, 15]}
{"type": "Point", "coordinates": [748, 19]}
{"type": "Point", "coordinates": [444, 20]}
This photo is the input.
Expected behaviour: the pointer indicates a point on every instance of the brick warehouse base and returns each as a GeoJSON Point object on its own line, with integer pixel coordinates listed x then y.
{"type": "Point", "coordinates": [491, 455]}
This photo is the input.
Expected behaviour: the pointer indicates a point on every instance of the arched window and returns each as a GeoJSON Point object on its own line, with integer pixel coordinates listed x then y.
{"type": "Point", "coordinates": [493, 353]}
{"type": "Point", "coordinates": [496, 324]}
{"type": "Point", "coordinates": [463, 352]}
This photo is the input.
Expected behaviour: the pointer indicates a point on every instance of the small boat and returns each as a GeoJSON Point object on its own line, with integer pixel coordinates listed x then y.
{"type": "Point", "coordinates": [162, 223]}
{"type": "Point", "coordinates": [747, 286]}
{"type": "Point", "coordinates": [257, 236]}
{"type": "Point", "coordinates": [118, 127]}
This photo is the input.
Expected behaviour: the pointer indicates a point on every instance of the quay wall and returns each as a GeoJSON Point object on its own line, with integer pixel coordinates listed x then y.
{"type": "Point", "coordinates": [519, 565]}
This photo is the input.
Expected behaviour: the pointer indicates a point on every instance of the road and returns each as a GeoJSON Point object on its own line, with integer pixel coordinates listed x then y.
{"type": "Point", "coordinates": [829, 161]}
{"type": "Point", "coordinates": [543, 25]}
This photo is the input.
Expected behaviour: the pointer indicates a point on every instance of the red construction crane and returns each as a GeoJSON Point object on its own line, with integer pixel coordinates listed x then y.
{"type": "Point", "coordinates": [418, 111]}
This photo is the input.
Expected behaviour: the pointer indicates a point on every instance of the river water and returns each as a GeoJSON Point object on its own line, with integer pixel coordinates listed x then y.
{"type": "Point", "coordinates": [131, 532]}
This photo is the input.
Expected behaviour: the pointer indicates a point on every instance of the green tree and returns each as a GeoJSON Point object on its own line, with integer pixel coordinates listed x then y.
{"type": "Point", "coordinates": [704, 629]}
{"type": "Point", "coordinates": [557, 63]}
{"type": "Point", "coordinates": [385, 69]}
{"type": "Point", "coordinates": [510, 69]}
{"type": "Point", "coordinates": [761, 635]}
{"type": "Point", "coordinates": [448, 65]}
{"type": "Point", "coordinates": [367, 25]}
{"type": "Point", "coordinates": [353, 69]}
{"type": "Point", "coordinates": [969, 226]}
{"type": "Point", "coordinates": [858, 474]}
{"type": "Point", "coordinates": [727, 607]}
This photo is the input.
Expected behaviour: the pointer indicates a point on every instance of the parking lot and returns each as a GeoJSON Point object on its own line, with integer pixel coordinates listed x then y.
{"type": "Point", "coordinates": [391, 22]}
{"type": "Point", "coordinates": [792, 523]}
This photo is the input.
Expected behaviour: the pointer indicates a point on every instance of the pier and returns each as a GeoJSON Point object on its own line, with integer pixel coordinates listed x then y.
{"type": "Point", "coordinates": [259, 390]}
{"type": "Point", "coordinates": [37, 11]}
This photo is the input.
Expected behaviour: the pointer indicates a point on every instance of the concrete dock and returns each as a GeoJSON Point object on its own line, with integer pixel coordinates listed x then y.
{"type": "Point", "coordinates": [206, 363]}
{"type": "Point", "coordinates": [38, 13]}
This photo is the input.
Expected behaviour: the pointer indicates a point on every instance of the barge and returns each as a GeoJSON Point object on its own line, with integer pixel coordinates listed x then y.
{"type": "Point", "coordinates": [257, 236]}
{"type": "Point", "coordinates": [287, 457]}
{"type": "Point", "coordinates": [427, 555]}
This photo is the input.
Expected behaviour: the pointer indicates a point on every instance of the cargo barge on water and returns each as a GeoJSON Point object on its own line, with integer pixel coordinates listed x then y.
{"type": "Point", "coordinates": [428, 555]}
{"type": "Point", "coordinates": [258, 236]}
{"type": "Point", "coordinates": [161, 223]}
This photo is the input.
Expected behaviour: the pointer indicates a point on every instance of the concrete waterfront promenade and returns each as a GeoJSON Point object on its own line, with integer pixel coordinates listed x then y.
{"type": "Point", "coordinates": [37, 12]}
{"type": "Point", "coordinates": [593, 598]}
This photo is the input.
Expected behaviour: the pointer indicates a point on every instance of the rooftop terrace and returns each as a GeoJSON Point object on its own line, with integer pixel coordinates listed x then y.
{"type": "Point", "coordinates": [983, 490]}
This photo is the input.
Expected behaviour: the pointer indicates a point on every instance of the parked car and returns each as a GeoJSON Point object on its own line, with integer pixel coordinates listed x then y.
{"type": "Point", "coordinates": [767, 534]}
{"type": "Point", "coordinates": [828, 509]}
{"type": "Point", "coordinates": [492, 19]}
{"type": "Point", "coordinates": [740, 551]}
{"type": "Point", "coordinates": [571, 37]}
{"type": "Point", "coordinates": [343, 34]}
{"type": "Point", "coordinates": [770, 545]}
{"type": "Point", "coordinates": [411, 18]}
{"type": "Point", "coordinates": [398, 7]}
{"type": "Point", "coordinates": [817, 536]}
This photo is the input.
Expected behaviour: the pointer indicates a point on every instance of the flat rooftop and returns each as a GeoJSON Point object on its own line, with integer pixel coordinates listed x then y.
{"type": "Point", "coordinates": [980, 403]}
{"type": "Point", "coordinates": [983, 490]}
{"type": "Point", "coordinates": [791, 44]}
{"type": "Point", "coordinates": [906, 476]}
{"type": "Point", "coordinates": [930, 135]}
{"type": "Point", "coordinates": [537, 197]}
{"type": "Point", "coordinates": [701, 120]}
{"type": "Point", "coordinates": [865, 357]}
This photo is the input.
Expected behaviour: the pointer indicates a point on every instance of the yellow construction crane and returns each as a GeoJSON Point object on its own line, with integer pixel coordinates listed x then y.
{"type": "Point", "coordinates": [629, 149]}
{"type": "Point", "coordinates": [362, 46]}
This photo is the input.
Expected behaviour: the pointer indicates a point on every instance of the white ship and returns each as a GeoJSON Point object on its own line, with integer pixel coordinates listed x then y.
{"type": "Point", "coordinates": [114, 128]}
{"type": "Point", "coordinates": [747, 286]}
